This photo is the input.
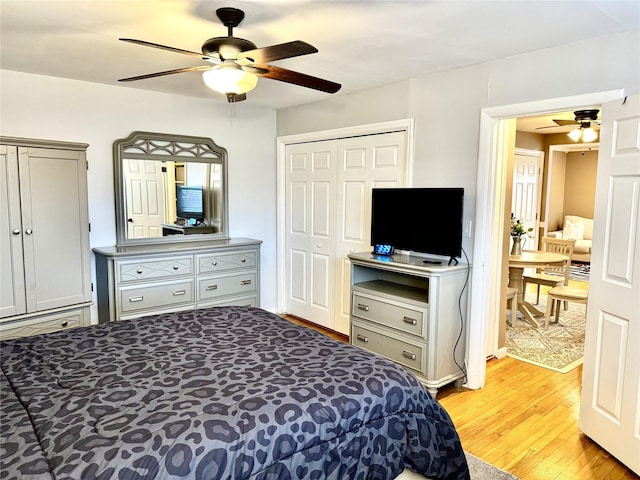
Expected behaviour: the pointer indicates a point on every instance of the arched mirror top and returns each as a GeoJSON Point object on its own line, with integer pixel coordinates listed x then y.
{"type": "Point", "coordinates": [169, 188]}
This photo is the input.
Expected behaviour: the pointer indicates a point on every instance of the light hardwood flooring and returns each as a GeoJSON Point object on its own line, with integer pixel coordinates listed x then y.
{"type": "Point", "coordinates": [525, 421]}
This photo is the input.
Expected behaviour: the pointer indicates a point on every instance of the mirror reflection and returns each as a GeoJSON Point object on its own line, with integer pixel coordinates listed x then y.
{"type": "Point", "coordinates": [168, 188]}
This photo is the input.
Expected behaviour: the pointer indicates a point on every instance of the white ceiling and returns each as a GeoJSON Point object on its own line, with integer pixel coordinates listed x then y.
{"type": "Point", "coordinates": [362, 44]}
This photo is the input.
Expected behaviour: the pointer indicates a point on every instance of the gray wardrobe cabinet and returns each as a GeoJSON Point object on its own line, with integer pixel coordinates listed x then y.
{"type": "Point", "coordinates": [45, 282]}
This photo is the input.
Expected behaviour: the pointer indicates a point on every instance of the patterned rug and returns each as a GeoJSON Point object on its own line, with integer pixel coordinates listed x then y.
{"type": "Point", "coordinates": [560, 348]}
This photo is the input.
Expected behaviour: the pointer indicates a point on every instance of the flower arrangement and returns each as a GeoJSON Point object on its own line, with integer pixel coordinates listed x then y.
{"type": "Point", "coordinates": [518, 230]}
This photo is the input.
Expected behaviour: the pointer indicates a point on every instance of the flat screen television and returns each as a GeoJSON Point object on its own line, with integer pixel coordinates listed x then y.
{"type": "Point", "coordinates": [425, 220]}
{"type": "Point", "coordinates": [190, 202]}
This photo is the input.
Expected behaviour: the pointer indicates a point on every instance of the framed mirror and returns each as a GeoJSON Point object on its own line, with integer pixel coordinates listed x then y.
{"type": "Point", "coordinates": [169, 188]}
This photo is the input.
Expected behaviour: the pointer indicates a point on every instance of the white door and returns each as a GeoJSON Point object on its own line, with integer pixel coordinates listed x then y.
{"type": "Point", "coordinates": [144, 188]}
{"type": "Point", "coordinates": [12, 298]}
{"type": "Point", "coordinates": [310, 231]}
{"type": "Point", "coordinates": [328, 210]}
{"type": "Point", "coordinates": [610, 401]}
{"type": "Point", "coordinates": [525, 202]}
{"type": "Point", "coordinates": [364, 163]}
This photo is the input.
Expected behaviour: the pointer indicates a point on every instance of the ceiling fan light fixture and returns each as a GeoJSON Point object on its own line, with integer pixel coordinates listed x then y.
{"type": "Point", "coordinates": [575, 134]}
{"type": "Point", "coordinates": [230, 78]}
{"type": "Point", "coordinates": [589, 135]}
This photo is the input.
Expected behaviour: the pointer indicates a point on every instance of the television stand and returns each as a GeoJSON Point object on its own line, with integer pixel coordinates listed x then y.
{"type": "Point", "coordinates": [173, 229]}
{"type": "Point", "coordinates": [410, 312]}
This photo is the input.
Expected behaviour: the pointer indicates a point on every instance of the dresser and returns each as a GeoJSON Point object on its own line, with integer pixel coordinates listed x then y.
{"type": "Point", "coordinates": [45, 276]}
{"type": "Point", "coordinates": [411, 312]}
{"type": "Point", "coordinates": [135, 281]}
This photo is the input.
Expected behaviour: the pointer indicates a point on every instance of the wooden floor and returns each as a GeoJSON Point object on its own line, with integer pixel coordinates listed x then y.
{"type": "Point", "coordinates": [525, 421]}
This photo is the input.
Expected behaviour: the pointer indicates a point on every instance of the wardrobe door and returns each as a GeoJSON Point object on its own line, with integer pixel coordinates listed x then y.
{"type": "Point", "coordinates": [12, 301]}
{"type": "Point", "coordinates": [55, 225]}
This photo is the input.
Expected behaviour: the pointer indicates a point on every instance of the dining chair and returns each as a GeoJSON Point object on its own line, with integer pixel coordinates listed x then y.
{"type": "Point", "coordinates": [559, 294]}
{"type": "Point", "coordinates": [512, 301]}
{"type": "Point", "coordinates": [551, 276]}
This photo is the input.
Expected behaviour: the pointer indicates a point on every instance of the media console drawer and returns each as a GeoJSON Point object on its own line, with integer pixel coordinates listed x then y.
{"type": "Point", "coordinates": [407, 354]}
{"type": "Point", "coordinates": [394, 315]}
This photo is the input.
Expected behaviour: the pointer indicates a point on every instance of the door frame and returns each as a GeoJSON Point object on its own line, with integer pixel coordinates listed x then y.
{"type": "Point", "coordinates": [407, 125]}
{"type": "Point", "coordinates": [488, 247]}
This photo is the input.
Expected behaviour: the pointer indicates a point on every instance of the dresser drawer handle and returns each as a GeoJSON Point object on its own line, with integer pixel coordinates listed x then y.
{"type": "Point", "coordinates": [211, 287]}
{"type": "Point", "coordinates": [243, 260]}
{"type": "Point", "coordinates": [362, 338]}
{"type": "Point", "coordinates": [409, 355]}
{"type": "Point", "coordinates": [136, 299]}
{"type": "Point", "coordinates": [214, 263]}
{"type": "Point", "coordinates": [139, 270]}
{"type": "Point", "coordinates": [64, 324]}
{"type": "Point", "coordinates": [177, 293]}
{"type": "Point", "coordinates": [175, 267]}
{"type": "Point", "coordinates": [245, 282]}
{"type": "Point", "coordinates": [364, 307]}
{"type": "Point", "coordinates": [410, 320]}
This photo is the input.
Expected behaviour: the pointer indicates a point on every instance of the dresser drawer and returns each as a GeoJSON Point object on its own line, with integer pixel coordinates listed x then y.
{"type": "Point", "coordinates": [156, 296]}
{"type": "Point", "coordinates": [227, 261]}
{"type": "Point", "coordinates": [132, 270]}
{"type": "Point", "coordinates": [400, 317]}
{"type": "Point", "coordinates": [229, 284]}
{"type": "Point", "coordinates": [244, 301]}
{"type": "Point", "coordinates": [404, 353]}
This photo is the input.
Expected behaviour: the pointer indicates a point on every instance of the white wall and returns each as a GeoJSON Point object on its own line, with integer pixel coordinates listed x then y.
{"type": "Point", "coordinates": [36, 106]}
{"type": "Point", "coordinates": [447, 105]}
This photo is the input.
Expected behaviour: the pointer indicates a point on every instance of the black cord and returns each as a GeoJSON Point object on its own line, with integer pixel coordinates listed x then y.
{"type": "Point", "coordinates": [455, 347]}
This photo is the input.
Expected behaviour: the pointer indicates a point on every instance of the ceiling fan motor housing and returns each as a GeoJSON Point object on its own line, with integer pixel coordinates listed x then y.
{"type": "Point", "coordinates": [226, 45]}
{"type": "Point", "coordinates": [586, 115]}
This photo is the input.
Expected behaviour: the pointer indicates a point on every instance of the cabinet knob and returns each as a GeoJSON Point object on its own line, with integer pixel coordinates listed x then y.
{"type": "Point", "coordinates": [214, 263]}
{"type": "Point", "coordinates": [243, 260]}
{"type": "Point", "coordinates": [64, 324]}
{"type": "Point", "coordinates": [362, 338]}
{"type": "Point", "coordinates": [16, 231]}
{"type": "Point", "coordinates": [175, 267]}
{"type": "Point", "coordinates": [409, 355]}
{"type": "Point", "coordinates": [28, 231]}
{"type": "Point", "coordinates": [362, 306]}
{"type": "Point", "coordinates": [139, 270]}
{"type": "Point", "coordinates": [409, 320]}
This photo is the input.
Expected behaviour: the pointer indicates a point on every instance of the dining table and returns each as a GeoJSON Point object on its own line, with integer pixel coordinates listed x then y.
{"type": "Point", "coordinates": [531, 259]}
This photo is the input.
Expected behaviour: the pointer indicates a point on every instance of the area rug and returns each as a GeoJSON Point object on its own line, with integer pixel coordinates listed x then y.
{"type": "Point", "coordinates": [560, 348]}
{"type": "Point", "coordinates": [479, 470]}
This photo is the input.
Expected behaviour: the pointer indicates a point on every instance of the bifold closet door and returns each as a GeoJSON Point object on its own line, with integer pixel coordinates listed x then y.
{"type": "Point", "coordinates": [328, 210]}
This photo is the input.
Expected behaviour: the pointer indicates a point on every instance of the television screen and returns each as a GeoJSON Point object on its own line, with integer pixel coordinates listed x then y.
{"type": "Point", "coordinates": [189, 202]}
{"type": "Point", "coordinates": [425, 220]}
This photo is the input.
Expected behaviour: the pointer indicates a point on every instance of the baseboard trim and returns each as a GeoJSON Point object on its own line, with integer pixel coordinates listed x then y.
{"type": "Point", "coordinates": [501, 353]}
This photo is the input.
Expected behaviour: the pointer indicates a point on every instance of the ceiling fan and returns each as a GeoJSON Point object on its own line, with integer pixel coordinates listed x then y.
{"type": "Point", "coordinates": [235, 63]}
{"type": "Point", "coordinates": [583, 118]}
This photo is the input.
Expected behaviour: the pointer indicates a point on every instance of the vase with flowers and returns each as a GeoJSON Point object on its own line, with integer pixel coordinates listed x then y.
{"type": "Point", "coordinates": [517, 233]}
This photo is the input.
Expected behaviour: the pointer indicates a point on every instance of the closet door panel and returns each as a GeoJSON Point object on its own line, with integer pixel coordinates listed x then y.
{"type": "Point", "coordinates": [55, 223]}
{"type": "Point", "coordinates": [12, 300]}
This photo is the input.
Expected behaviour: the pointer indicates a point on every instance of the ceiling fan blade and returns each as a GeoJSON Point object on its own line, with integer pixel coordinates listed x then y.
{"type": "Point", "coordinates": [201, 56]}
{"type": "Point", "coordinates": [296, 78]}
{"type": "Point", "coordinates": [200, 68]}
{"type": "Point", "coordinates": [562, 123]}
{"type": "Point", "coordinates": [278, 52]}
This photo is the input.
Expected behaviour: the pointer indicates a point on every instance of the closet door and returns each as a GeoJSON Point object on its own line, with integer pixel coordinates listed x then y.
{"type": "Point", "coordinates": [55, 227]}
{"type": "Point", "coordinates": [328, 215]}
{"type": "Point", "coordinates": [12, 300]}
{"type": "Point", "coordinates": [311, 231]}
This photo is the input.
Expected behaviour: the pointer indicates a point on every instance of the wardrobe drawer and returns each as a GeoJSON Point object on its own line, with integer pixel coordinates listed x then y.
{"type": "Point", "coordinates": [230, 284]}
{"type": "Point", "coordinates": [404, 353]}
{"type": "Point", "coordinates": [44, 324]}
{"type": "Point", "coordinates": [155, 296]}
{"type": "Point", "coordinates": [400, 317]}
{"type": "Point", "coordinates": [132, 270]}
{"type": "Point", "coordinates": [227, 261]}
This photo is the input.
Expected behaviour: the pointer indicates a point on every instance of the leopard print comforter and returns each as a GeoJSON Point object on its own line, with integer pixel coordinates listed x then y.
{"type": "Point", "coordinates": [220, 393]}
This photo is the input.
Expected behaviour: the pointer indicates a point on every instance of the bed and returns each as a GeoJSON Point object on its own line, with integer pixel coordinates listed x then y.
{"type": "Point", "coordinates": [219, 393]}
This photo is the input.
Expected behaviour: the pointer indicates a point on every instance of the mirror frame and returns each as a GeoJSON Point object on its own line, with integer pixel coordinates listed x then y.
{"type": "Point", "coordinates": [166, 147]}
